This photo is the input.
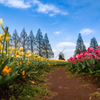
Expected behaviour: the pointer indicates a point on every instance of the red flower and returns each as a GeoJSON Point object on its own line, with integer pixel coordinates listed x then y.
{"type": "Point", "coordinates": [99, 54]}
{"type": "Point", "coordinates": [96, 51]}
{"type": "Point", "coordinates": [94, 56]}
{"type": "Point", "coordinates": [81, 53]}
{"type": "Point", "coordinates": [86, 53]}
{"type": "Point", "coordinates": [99, 47]}
{"type": "Point", "coordinates": [90, 49]}
{"type": "Point", "coordinates": [70, 59]}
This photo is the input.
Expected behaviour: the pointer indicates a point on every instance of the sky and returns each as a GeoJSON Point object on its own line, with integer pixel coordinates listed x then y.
{"type": "Point", "coordinates": [62, 20]}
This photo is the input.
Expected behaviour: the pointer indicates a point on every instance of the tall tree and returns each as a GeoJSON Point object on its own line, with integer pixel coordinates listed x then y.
{"type": "Point", "coordinates": [94, 43]}
{"type": "Point", "coordinates": [80, 47]}
{"type": "Point", "coordinates": [39, 42]}
{"type": "Point", "coordinates": [31, 41]}
{"type": "Point", "coordinates": [48, 53]}
{"type": "Point", "coordinates": [23, 39]}
{"type": "Point", "coordinates": [15, 38]}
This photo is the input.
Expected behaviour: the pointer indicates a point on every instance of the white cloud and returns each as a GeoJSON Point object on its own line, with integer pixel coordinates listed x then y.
{"type": "Point", "coordinates": [86, 31]}
{"type": "Point", "coordinates": [57, 32]}
{"type": "Point", "coordinates": [16, 3]}
{"type": "Point", "coordinates": [51, 15]}
{"type": "Point", "coordinates": [63, 44]}
{"type": "Point", "coordinates": [48, 8]}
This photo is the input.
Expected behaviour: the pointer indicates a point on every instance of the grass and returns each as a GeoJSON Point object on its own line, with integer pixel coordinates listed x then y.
{"type": "Point", "coordinates": [84, 85]}
{"type": "Point", "coordinates": [71, 76]}
{"type": "Point", "coordinates": [31, 88]}
{"type": "Point", "coordinates": [96, 94]}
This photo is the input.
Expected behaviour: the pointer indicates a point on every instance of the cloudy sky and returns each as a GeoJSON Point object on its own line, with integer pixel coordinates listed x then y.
{"type": "Point", "coordinates": [62, 20]}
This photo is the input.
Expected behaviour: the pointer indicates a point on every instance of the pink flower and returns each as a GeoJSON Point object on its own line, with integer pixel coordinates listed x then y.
{"type": "Point", "coordinates": [86, 53]}
{"type": "Point", "coordinates": [81, 53]}
{"type": "Point", "coordinates": [96, 51]}
{"type": "Point", "coordinates": [73, 62]}
{"type": "Point", "coordinates": [95, 56]}
{"type": "Point", "coordinates": [90, 49]}
{"type": "Point", "coordinates": [77, 56]}
{"type": "Point", "coordinates": [99, 54]}
{"type": "Point", "coordinates": [70, 59]}
{"type": "Point", "coordinates": [99, 47]}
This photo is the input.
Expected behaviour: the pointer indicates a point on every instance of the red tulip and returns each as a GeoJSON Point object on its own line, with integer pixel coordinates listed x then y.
{"type": "Point", "coordinates": [99, 47]}
{"type": "Point", "coordinates": [96, 51]}
{"type": "Point", "coordinates": [90, 49]}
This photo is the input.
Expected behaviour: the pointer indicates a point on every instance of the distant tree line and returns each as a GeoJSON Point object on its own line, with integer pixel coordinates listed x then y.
{"type": "Point", "coordinates": [39, 44]}
{"type": "Point", "coordinates": [80, 47]}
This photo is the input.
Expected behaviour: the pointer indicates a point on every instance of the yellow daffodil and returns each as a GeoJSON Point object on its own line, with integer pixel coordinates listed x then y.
{"type": "Point", "coordinates": [0, 46]}
{"type": "Point", "coordinates": [7, 37]}
{"type": "Point", "coordinates": [1, 23]}
{"type": "Point", "coordinates": [1, 38]}
{"type": "Point", "coordinates": [21, 48]}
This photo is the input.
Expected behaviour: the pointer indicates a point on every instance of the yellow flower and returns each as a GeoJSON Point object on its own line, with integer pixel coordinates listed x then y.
{"type": "Point", "coordinates": [7, 55]}
{"type": "Point", "coordinates": [28, 52]}
{"type": "Point", "coordinates": [23, 72]}
{"type": "Point", "coordinates": [1, 46]}
{"type": "Point", "coordinates": [2, 35]}
{"type": "Point", "coordinates": [22, 53]}
{"type": "Point", "coordinates": [17, 63]}
{"type": "Point", "coordinates": [1, 23]}
{"type": "Point", "coordinates": [28, 62]}
{"type": "Point", "coordinates": [33, 82]}
{"type": "Point", "coordinates": [17, 52]}
{"type": "Point", "coordinates": [17, 56]}
{"type": "Point", "coordinates": [1, 38]}
{"type": "Point", "coordinates": [21, 48]}
{"type": "Point", "coordinates": [6, 70]}
{"type": "Point", "coordinates": [7, 37]}
{"type": "Point", "coordinates": [4, 52]}
{"type": "Point", "coordinates": [12, 55]}
{"type": "Point", "coordinates": [20, 63]}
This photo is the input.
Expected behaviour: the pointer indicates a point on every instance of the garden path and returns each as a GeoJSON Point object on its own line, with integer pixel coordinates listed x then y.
{"type": "Point", "coordinates": [64, 86]}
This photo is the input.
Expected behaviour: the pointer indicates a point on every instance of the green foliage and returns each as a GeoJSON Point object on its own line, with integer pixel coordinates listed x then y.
{"type": "Point", "coordinates": [39, 42]}
{"type": "Point", "coordinates": [25, 89]}
{"type": "Point", "coordinates": [94, 43]}
{"type": "Point", "coordinates": [31, 41]}
{"type": "Point", "coordinates": [48, 53]}
{"type": "Point", "coordinates": [24, 39]}
{"type": "Point", "coordinates": [80, 47]}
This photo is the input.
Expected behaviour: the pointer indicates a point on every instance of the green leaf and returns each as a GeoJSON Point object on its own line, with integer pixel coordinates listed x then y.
{"type": "Point", "coordinates": [31, 72]}
{"type": "Point", "coordinates": [91, 72]}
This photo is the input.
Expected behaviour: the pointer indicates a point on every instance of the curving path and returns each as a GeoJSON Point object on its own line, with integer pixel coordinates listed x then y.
{"type": "Point", "coordinates": [65, 88]}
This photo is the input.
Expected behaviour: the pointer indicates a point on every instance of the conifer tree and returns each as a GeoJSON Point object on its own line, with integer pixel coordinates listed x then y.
{"type": "Point", "coordinates": [39, 43]}
{"type": "Point", "coordinates": [15, 38]}
{"type": "Point", "coordinates": [24, 39]}
{"type": "Point", "coordinates": [94, 43]}
{"type": "Point", "coordinates": [31, 41]}
{"type": "Point", "coordinates": [80, 47]}
{"type": "Point", "coordinates": [48, 53]}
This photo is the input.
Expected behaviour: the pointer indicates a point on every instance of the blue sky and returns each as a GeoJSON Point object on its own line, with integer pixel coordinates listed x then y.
{"type": "Point", "coordinates": [62, 20]}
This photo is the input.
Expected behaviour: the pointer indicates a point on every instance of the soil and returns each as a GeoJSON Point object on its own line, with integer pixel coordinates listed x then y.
{"type": "Point", "coordinates": [64, 87]}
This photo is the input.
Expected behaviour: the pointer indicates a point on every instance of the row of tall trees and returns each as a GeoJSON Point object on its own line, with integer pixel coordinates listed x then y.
{"type": "Point", "coordinates": [80, 47]}
{"type": "Point", "coordinates": [39, 44]}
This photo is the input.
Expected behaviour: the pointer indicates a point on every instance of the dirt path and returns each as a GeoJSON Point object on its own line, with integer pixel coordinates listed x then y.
{"type": "Point", "coordinates": [74, 88]}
